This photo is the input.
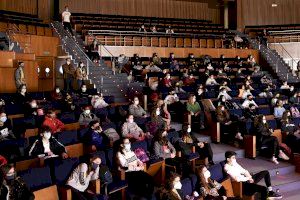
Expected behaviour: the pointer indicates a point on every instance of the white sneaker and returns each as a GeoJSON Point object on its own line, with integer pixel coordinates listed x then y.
{"type": "Point", "coordinates": [282, 155]}
{"type": "Point", "coordinates": [239, 136]}
{"type": "Point", "coordinates": [274, 160]}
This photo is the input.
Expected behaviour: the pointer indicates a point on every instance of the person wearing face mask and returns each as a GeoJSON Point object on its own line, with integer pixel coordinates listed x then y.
{"type": "Point", "coordinates": [136, 109]}
{"type": "Point", "coordinates": [13, 187]}
{"type": "Point", "coordinates": [264, 138]}
{"type": "Point", "coordinates": [245, 93]}
{"type": "Point", "coordinates": [157, 122]}
{"type": "Point", "coordinates": [81, 74]}
{"type": "Point", "coordinates": [5, 127]}
{"type": "Point", "coordinates": [68, 104]}
{"type": "Point", "coordinates": [279, 109]}
{"type": "Point", "coordinates": [249, 101]}
{"type": "Point", "coordinates": [251, 112]}
{"type": "Point", "coordinates": [167, 82]}
{"type": "Point", "coordinates": [83, 93]}
{"type": "Point", "coordinates": [87, 116]}
{"type": "Point", "coordinates": [20, 75]}
{"type": "Point", "coordinates": [47, 146]}
{"type": "Point", "coordinates": [250, 182]}
{"type": "Point", "coordinates": [52, 122]}
{"type": "Point", "coordinates": [139, 182]}
{"type": "Point", "coordinates": [162, 146]}
{"type": "Point", "coordinates": [224, 93]}
{"type": "Point", "coordinates": [80, 179]}
{"type": "Point", "coordinates": [66, 20]}
{"type": "Point", "coordinates": [208, 188]}
{"type": "Point", "coordinates": [187, 140]}
{"type": "Point", "coordinates": [227, 104]}
{"type": "Point", "coordinates": [95, 137]}
{"type": "Point", "coordinates": [22, 97]}
{"type": "Point", "coordinates": [57, 95]}
{"type": "Point", "coordinates": [98, 102]}
{"type": "Point", "coordinates": [68, 75]}
{"type": "Point", "coordinates": [131, 130]}
{"type": "Point", "coordinates": [291, 130]}
{"type": "Point", "coordinates": [211, 80]}
{"type": "Point", "coordinates": [195, 110]}
{"type": "Point", "coordinates": [32, 109]}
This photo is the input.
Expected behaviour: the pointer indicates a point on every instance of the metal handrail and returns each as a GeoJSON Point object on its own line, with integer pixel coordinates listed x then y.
{"type": "Point", "coordinates": [290, 56]}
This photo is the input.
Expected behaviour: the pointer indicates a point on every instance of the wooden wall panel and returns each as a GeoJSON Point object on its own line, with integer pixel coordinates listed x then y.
{"type": "Point", "coordinates": [7, 59]}
{"type": "Point", "coordinates": [257, 12]}
{"type": "Point", "coordinates": [23, 6]}
{"type": "Point", "coordinates": [150, 8]}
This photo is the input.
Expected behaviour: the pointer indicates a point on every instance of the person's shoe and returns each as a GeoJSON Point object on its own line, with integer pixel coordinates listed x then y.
{"type": "Point", "coordinates": [239, 136]}
{"type": "Point", "coordinates": [202, 127]}
{"type": "Point", "coordinates": [274, 195]}
{"type": "Point", "coordinates": [274, 160]}
{"type": "Point", "coordinates": [282, 155]}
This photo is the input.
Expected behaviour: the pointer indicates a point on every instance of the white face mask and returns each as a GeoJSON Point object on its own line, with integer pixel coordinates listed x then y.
{"type": "Point", "coordinates": [68, 62]}
{"type": "Point", "coordinates": [136, 102]}
{"type": "Point", "coordinates": [189, 130]}
{"type": "Point", "coordinates": [81, 65]}
{"type": "Point", "coordinates": [127, 147]}
{"type": "Point", "coordinates": [164, 134]}
{"type": "Point", "coordinates": [87, 112]}
{"type": "Point", "coordinates": [206, 174]}
{"type": "Point", "coordinates": [157, 112]}
{"type": "Point", "coordinates": [264, 121]}
{"type": "Point", "coordinates": [83, 89]}
{"type": "Point", "coordinates": [233, 161]}
{"type": "Point", "coordinates": [33, 105]}
{"type": "Point", "coordinates": [23, 90]}
{"type": "Point", "coordinates": [3, 119]}
{"type": "Point", "coordinates": [177, 186]}
{"type": "Point", "coordinates": [47, 135]}
{"type": "Point", "coordinates": [130, 120]}
{"type": "Point", "coordinates": [57, 90]}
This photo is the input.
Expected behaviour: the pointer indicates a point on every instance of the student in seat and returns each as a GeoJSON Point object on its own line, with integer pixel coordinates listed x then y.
{"type": "Point", "coordinates": [52, 122]}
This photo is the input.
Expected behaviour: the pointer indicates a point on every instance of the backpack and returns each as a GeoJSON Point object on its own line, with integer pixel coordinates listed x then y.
{"type": "Point", "coordinates": [105, 175]}
{"type": "Point", "coordinates": [112, 134]}
{"type": "Point", "coordinates": [141, 155]}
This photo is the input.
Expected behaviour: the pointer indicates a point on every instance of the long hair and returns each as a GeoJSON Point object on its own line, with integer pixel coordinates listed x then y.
{"type": "Point", "coordinates": [259, 121]}
{"type": "Point", "coordinates": [220, 112]}
{"type": "Point", "coordinates": [190, 98]}
{"type": "Point", "coordinates": [285, 118]}
{"type": "Point", "coordinates": [162, 140]}
{"type": "Point", "coordinates": [169, 183]}
{"type": "Point", "coordinates": [201, 179]}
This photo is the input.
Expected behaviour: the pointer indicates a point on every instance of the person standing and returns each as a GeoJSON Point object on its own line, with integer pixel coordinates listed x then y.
{"type": "Point", "coordinates": [19, 75]}
{"type": "Point", "coordinates": [81, 74]}
{"type": "Point", "coordinates": [66, 20]}
{"type": "Point", "coordinates": [68, 74]}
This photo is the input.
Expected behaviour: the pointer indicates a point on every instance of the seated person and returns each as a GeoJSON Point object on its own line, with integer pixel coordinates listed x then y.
{"type": "Point", "coordinates": [208, 188]}
{"type": "Point", "coordinates": [250, 112]}
{"type": "Point", "coordinates": [136, 109]}
{"type": "Point", "coordinates": [57, 95]}
{"type": "Point", "coordinates": [189, 80]}
{"type": "Point", "coordinates": [52, 122]}
{"type": "Point", "coordinates": [164, 113]}
{"type": "Point", "coordinates": [131, 130]}
{"type": "Point", "coordinates": [291, 130]}
{"type": "Point", "coordinates": [98, 102]}
{"type": "Point", "coordinates": [224, 84]}
{"type": "Point", "coordinates": [95, 137]}
{"type": "Point", "coordinates": [86, 117]}
{"type": "Point", "coordinates": [294, 111]}
{"type": "Point", "coordinates": [5, 127]}
{"type": "Point", "coordinates": [211, 80]}
{"type": "Point", "coordinates": [68, 104]}
{"type": "Point", "coordinates": [157, 122]}
{"type": "Point", "coordinates": [153, 68]}
{"type": "Point", "coordinates": [264, 137]}
{"type": "Point", "coordinates": [187, 140]}
{"type": "Point", "coordinates": [257, 72]}
{"type": "Point", "coordinates": [266, 93]}
{"type": "Point", "coordinates": [275, 99]}
{"type": "Point", "coordinates": [246, 93]}
{"type": "Point", "coordinates": [248, 83]}
{"type": "Point", "coordinates": [240, 74]}
{"type": "Point", "coordinates": [163, 147]}
{"type": "Point", "coordinates": [285, 86]}
{"type": "Point", "coordinates": [195, 110]}
{"type": "Point", "coordinates": [47, 146]}
{"type": "Point", "coordinates": [156, 60]}
{"type": "Point", "coordinates": [250, 182]}
{"type": "Point", "coordinates": [22, 97]}
{"type": "Point", "coordinates": [12, 186]}
{"type": "Point", "coordinates": [31, 109]}
{"type": "Point", "coordinates": [83, 92]}
{"type": "Point", "coordinates": [249, 101]}
{"type": "Point", "coordinates": [223, 92]}
{"type": "Point", "coordinates": [81, 177]}
{"type": "Point", "coordinates": [295, 99]}
{"type": "Point", "coordinates": [279, 109]}
{"type": "Point", "coordinates": [138, 180]}
{"type": "Point", "coordinates": [227, 124]}
{"type": "Point", "coordinates": [167, 82]}
{"type": "Point", "coordinates": [226, 103]}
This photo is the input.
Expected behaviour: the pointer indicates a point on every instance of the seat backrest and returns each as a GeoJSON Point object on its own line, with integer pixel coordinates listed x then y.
{"type": "Point", "coordinates": [139, 144]}
{"type": "Point", "coordinates": [75, 150]}
{"type": "Point", "coordinates": [277, 134]}
{"type": "Point", "coordinates": [186, 187]}
{"type": "Point", "coordinates": [63, 169]}
{"type": "Point", "coordinates": [48, 193]}
{"type": "Point", "coordinates": [67, 137]}
{"type": "Point", "coordinates": [68, 117]}
{"type": "Point", "coordinates": [216, 172]}
{"type": "Point", "coordinates": [72, 126]}
{"type": "Point", "coordinates": [37, 178]}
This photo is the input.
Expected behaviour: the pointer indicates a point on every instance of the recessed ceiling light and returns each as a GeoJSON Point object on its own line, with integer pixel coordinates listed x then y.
{"type": "Point", "coordinates": [274, 5]}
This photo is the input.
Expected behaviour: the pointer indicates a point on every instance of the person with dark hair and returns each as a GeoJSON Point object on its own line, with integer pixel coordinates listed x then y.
{"type": "Point", "coordinates": [139, 181]}
{"type": "Point", "coordinates": [162, 146]}
{"type": "Point", "coordinates": [68, 74]}
{"type": "Point", "coordinates": [136, 109]}
{"type": "Point", "coordinates": [291, 130]}
{"type": "Point", "coordinates": [193, 107]}
{"type": "Point", "coordinates": [83, 92]}
{"type": "Point", "coordinates": [20, 75]}
{"type": "Point", "coordinates": [52, 122]}
{"type": "Point", "coordinates": [131, 130]}
{"type": "Point", "coordinates": [210, 189]}
{"type": "Point", "coordinates": [81, 177]}
{"type": "Point", "coordinates": [57, 95]}
{"type": "Point", "coordinates": [47, 146]}
{"type": "Point", "coordinates": [187, 140]}
{"type": "Point", "coordinates": [250, 112]}
{"type": "Point", "coordinates": [13, 187]}
{"type": "Point", "coordinates": [157, 122]}
{"type": "Point", "coordinates": [250, 182]}
{"type": "Point", "coordinates": [279, 109]}
{"type": "Point", "coordinates": [95, 136]}
{"type": "Point", "coordinates": [5, 127]}
{"type": "Point", "coordinates": [66, 20]}
{"type": "Point", "coordinates": [87, 116]}
{"type": "Point", "coordinates": [264, 137]}
{"type": "Point", "coordinates": [22, 97]}
{"type": "Point", "coordinates": [81, 74]}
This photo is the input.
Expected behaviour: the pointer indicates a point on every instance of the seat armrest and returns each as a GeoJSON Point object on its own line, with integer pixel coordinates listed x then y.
{"type": "Point", "coordinates": [65, 193]}
{"type": "Point", "coordinates": [95, 186]}
{"type": "Point", "coordinates": [121, 173]}
{"type": "Point", "coordinates": [237, 188]}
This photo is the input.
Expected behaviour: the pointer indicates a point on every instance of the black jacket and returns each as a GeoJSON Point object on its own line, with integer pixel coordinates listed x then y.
{"type": "Point", "coordinates": [18, 191]}
{"type": "Point", "coordinates": [56, 147]}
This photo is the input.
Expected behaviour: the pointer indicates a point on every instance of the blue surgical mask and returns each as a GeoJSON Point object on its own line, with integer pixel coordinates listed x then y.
{"type": "Point", "coordinates": [94, 166]}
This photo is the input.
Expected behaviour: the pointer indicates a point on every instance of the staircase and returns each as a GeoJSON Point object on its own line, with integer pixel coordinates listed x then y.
{"type": "Point", "coordinates": [277, 63]}
{"type": "Point", "coordinates": [99, 74]}
{"type": "Point", "coordinates": [283, 176]}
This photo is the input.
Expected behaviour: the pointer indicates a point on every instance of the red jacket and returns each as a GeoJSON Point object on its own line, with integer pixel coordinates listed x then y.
{"type": "Point", "coordinates": [3, 161]}
{"type": "Point", "coordinates": [53, 124]}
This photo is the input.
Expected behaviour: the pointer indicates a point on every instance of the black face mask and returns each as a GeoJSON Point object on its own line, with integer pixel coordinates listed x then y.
{"type": "Point", "coordinates": [94, 166]}
{"type": "Point", "coordinates": [10, 177]}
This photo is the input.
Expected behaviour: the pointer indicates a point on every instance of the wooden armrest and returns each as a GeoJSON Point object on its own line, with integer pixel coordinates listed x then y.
{"type": "Point", "coordinates": [237, 188]}
{"type": "Point", "coordinates": [250, 146]}
{"type": "Point", "coordinates": [193, 149]}
{"type": "Point", "coordinates": [171, 166]}
{"type": "Point", "coordinates": [121, 173]}
{"type": "Point", "coordinates": [178, 154]}
{"type": "Point", "coordinates": [228, 187]}
{"type": "Point", "coordinates": [65, 193]}
{"type": "Point", "coordinates": [95, 186]}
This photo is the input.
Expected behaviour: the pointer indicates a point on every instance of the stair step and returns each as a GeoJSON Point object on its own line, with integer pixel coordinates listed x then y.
{"type": "Point", "coordinates": [291, 195]}
{"type": "Point", "coordinates": [220, 149]}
